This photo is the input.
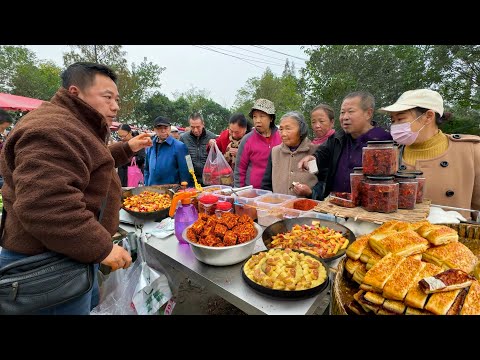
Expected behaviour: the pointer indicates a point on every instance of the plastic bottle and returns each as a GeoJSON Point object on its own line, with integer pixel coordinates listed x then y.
{"type": "Point", "coordinates": [185, 215]}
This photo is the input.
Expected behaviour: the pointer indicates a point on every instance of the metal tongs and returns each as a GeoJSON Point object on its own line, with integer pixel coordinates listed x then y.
{"type": "Point", "coordinates": [475, 213]}
{"type": "Point", "coordinates": [235, 190]}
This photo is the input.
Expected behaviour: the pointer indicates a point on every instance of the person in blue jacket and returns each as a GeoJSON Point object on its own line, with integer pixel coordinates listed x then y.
{"type": "Point", "coordinates": [165, 160]}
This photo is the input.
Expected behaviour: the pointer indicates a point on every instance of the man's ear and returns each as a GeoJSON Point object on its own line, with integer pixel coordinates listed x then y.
{"type": "Point", "coordinates": [72, 89]}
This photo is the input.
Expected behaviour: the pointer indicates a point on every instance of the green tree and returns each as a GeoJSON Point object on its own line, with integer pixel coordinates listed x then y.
{"type": "Point", "coordinates": [40, 82]}
{"type": "Point", "coordinates": [12, 57]}
{"type": "Point", "coordinates": [283, 90]}
{"type": "Point", "coordinates": [110, 55]}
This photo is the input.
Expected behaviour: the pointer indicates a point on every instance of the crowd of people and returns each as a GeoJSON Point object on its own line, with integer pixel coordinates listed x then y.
{"type": "Point", "coordinates": [58, 158]}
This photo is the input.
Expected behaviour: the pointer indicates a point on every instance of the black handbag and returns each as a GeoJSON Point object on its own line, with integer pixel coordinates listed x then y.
{"type": "Point", "coordinates": [40, 281]}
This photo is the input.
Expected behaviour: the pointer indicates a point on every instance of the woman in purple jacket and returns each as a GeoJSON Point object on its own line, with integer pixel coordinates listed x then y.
{"type": "Point", "coordinates": [252, 156]}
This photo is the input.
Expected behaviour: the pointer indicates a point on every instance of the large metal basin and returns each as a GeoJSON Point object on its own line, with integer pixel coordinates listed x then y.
{"type": "Point", "coordinates": [223, 256]}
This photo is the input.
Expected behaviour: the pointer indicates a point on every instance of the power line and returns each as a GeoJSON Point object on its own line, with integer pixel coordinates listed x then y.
{"type": "Point", "coordinates": [256, 52]}
{"type": "Point", "coordinates": [279, 52]}
{"type": "Point", "coordinates": [205, 48]}
{"type": "Point", "coordinates": [251, 57]}
{"type": "Point", "coordinates": [243, 59]}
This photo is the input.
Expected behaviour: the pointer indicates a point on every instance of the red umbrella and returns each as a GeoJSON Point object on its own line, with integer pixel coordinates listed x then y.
{"type": "Point", "coordinates": [15, 102]}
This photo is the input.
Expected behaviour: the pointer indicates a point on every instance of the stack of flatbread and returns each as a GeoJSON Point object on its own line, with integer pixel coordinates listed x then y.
{"type": "Point", "coordinates": [413, 269]}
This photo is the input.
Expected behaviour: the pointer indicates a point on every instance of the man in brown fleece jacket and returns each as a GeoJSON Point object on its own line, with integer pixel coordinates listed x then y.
{"type": "Point", "coordinates": [58, 170]}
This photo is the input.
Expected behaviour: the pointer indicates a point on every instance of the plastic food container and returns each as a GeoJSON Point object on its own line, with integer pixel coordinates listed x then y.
{"type": "Point", "coordinates": [356, 179]}
{"type": "Point", "coordinates": [301, 204]}
{"type": "Point", "coordinates": [380, 193]}
{"type": "Point", "coordinates": [421, 183]}
{"type": "Point", "coordinates": [245, 202]}
{"type": "Point", "coordinates": [269, 214]}
{"type": "Point", "coordinates": [223, 207]}
{"type": "Point", "coordinates": [212, 188]}
{"type": "Point", "coordinates": [207, 204]}
{"type": "Point", "coordinates": [407, 191]}
{"type": "Point", "coordinates": [274, 199]}
{"type": "Point", "coordinates": [341, 199]}
{"type": "Point", "coordinates": [380, 158]}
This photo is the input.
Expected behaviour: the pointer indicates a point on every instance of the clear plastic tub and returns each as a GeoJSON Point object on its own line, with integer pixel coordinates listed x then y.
{"type": "Point", "coordinates": [301, 204]}
{"type": "Point", "coordinates": [268, 214]}
{"type": "Point", "coordinates": [274, 199]}
{"type": "Point", "coordinates": [380, 158]}
{"type": "Point", "coordinates": [319, 215]}
{"type": "Point", "coordinates": [245, 202]}
{"type": "Point", "coordinates": [212, 188]}
{"type": "Point", "coordinates": [380, 193]}
{"type": "Point", "coordinates": [407, 190]}
{"type": "Point", "coordinates": [356, 178]}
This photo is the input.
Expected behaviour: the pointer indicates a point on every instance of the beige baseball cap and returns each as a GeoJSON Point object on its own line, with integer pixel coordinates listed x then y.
{"type": "Point", "coordinates": [424, 98]}
{"type": "Point", "coordinates": [173, 129]}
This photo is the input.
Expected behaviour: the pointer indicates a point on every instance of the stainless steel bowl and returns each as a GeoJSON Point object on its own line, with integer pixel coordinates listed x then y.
{"type": "Point", "coordinates": [223, 256]}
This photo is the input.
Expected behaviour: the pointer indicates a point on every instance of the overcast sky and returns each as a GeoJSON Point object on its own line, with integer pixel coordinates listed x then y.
{"type": "Point", "coordinates": [215, 68]}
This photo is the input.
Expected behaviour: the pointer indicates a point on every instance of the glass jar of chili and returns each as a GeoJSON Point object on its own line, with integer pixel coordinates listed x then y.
{"type": "Point", "coordinates": [356, 179]}
{"type": "Point", "coordinates": [407, 190]}
{"type": "Point", "coordinates": [380, 193]}
{"type": "Point", "coordinates": [420, 180]}
{"type": "Point", "coordinates": [380, 158]}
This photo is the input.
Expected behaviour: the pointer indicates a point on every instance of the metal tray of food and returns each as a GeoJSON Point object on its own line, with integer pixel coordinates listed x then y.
{"type": "Point", "coordinates": [293, 294]}
{"type": "Point", "coordinates": [169, 189]}
{"type": "Point", "coordinates": [286, 225]}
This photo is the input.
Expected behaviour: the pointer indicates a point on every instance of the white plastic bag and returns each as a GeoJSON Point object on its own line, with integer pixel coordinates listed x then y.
{"type": "Point", "coordinates": [152, 290]}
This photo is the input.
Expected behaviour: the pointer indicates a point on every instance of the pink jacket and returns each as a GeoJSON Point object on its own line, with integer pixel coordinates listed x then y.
{"type": "Point", "coordinates": [252, 158]}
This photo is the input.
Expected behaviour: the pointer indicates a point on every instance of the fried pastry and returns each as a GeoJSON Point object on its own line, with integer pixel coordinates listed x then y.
{"type": "Point", "coordinates": [447, 280]}
{"type": "Point", "coordinates": [394, 306]}
{"type": "Point", "coordinates": [457, 304]}
{"type": "Point", "coordinates": [355, 249]}
{"type": "Point", "coordinates": [368, 253]}
{"type": "Point", "coordinates": [374, 298]}
{"type": "Point", "coordinates": [440, 303]}
{"type": "Point", "coordinates": [359, 273]}
{"type": "Point", "coordinates": [384, 311]}
{"type": "Point", "coordinates": [403, 243]}
{"type": "Point", "coordinates": [471, 305]}
{"type": "Point", "coordinates": [413, 311]}
{"type": "Point", "coordinates": [441, 234]}
{"type": "Point", "coordinates": [402, 280]}
{"type": "Point", "coordinates": [352, 265]}
{"type": "Point", "coordinates": [415, 296]}
{"type": "Point", "coordinates": [378, 275]}
{"type": "Point", "coordinates": [451, 256]}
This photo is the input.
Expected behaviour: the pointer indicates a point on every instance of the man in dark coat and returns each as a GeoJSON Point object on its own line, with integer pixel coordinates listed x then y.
{"type": "Point", "coordinates": [58, 170]}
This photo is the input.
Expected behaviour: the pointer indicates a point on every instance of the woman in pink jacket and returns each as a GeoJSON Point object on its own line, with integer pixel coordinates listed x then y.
{"type": "Point", "coordinates": [255, 147]}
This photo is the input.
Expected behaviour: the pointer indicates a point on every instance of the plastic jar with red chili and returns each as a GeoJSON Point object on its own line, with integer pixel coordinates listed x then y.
{"type": "Point", "coordinates": [407, 191]}
{"type": "Point", "coordinates": [356, 179]}
{"type": "Point", "coordinates": [380, 158]}
{"type": "Point", "coordinates": [207, 204]}
{"type": "Point", "coordinates": [380, 193]}
{"type": "Point", "coordinates": [421, 183]}
{"type": "Point", "coordinates": [223, 207]}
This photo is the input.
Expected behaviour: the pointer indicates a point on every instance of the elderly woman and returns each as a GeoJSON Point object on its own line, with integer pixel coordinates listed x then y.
{"type": "Point", "coordinates": [282, 174]}
{"type": "Point", "coordinates": [255, 147]}
{"type": "Point", "coordinates": [450, 163]}
{"type": "Point", "coordinates": [322, 119]}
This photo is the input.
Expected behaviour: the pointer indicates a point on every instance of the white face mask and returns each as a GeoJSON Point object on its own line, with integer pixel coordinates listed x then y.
{"type": "Point", "coordinates": [403, 134]}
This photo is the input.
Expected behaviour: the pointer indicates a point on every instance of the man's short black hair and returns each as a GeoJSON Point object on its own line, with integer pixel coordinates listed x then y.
{"type": "Point", "coordinates": [82, 74]}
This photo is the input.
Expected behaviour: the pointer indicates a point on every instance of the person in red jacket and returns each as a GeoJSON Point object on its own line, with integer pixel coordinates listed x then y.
{"type": "Point", "coordinates": [229, 140]}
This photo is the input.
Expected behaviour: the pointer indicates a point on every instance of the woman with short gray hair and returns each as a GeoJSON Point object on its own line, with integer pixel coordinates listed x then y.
{"type": "Point", "coordinates": [282, 174]}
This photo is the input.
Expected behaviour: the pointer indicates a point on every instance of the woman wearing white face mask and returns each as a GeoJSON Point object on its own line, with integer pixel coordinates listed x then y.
{"type": "Point", "coordinates": [450, 163]}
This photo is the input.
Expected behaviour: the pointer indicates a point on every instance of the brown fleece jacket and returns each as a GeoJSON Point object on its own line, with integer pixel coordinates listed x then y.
{"type": "Point", "coordinates": [57, 170]}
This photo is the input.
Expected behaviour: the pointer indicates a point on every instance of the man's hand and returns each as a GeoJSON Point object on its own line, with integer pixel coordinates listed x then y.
{"type": "Point", "coordinates": [303, 163]}
{"type": "Point", "coordinates": [211, 142]}
{"type": "Point", "coordinates": [118, 258]}
{"type": "Point", "coordinates": [302, 189]}
{"type": "Point", "coordinates": [139, 142]}
{"type": "Point", "coordinates": [233, 151]}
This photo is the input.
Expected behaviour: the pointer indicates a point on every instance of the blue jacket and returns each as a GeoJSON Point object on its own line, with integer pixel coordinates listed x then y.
{"type": "Point", "coordinates": [165, 163]}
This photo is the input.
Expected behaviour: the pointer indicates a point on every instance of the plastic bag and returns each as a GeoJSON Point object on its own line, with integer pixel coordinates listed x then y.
{"type": "Point", "coordinates": [216, 170]}
{"type": "Point", "coordinates": [134, 174]}
{"type": "Point", "coordinates": [138, 289]}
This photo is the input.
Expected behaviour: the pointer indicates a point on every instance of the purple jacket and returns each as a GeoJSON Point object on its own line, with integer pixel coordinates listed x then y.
{"type": "Point", "coordinates": [252, 158]}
